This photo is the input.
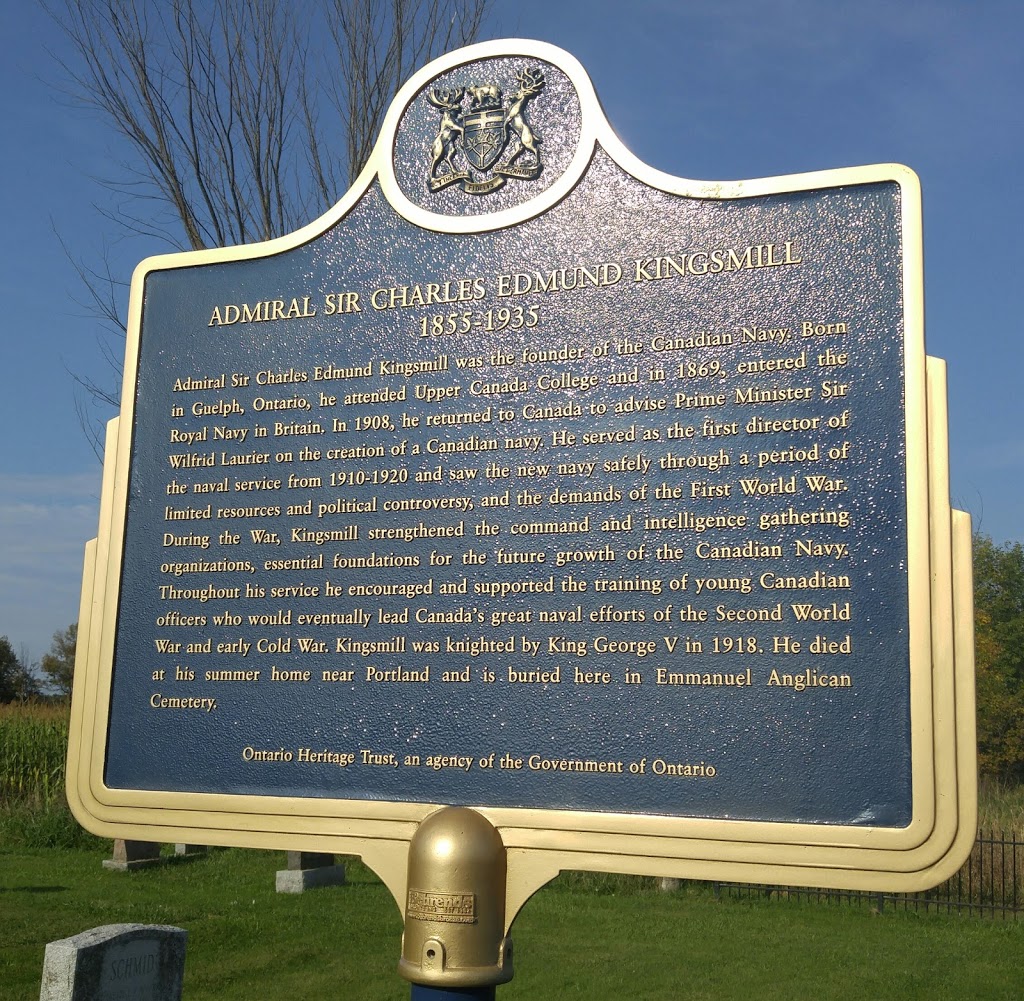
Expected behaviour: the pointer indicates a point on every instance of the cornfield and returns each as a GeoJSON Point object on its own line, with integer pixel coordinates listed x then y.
{"type": "Point", "coordinates": [33, 745]}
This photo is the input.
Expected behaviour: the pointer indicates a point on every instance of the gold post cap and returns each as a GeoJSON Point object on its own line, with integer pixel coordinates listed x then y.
{"type": "Point", "coordinates": [455, 904]}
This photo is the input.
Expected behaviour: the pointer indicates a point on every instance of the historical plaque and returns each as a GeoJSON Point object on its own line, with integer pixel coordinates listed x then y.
{"type": "Point", "coordinates": [534, 480]}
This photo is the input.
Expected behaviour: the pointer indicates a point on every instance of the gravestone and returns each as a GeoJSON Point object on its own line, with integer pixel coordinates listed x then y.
{"type": "Point", "coordinates": [130, 855]}
{"type": "Point", "coordinates": [188, 851]}
{"type": "Point", "coordinates": [307, 870]}
{"type": "Point", "coordinates": [121, 962]}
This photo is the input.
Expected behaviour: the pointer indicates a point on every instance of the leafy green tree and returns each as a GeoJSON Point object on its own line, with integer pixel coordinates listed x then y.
{"type": "Point", "coordinates": [17, 683]}
{"type": "Point", "coordinates": [58, 666]}
{"type": "Point", "coordinates": [999, 656]}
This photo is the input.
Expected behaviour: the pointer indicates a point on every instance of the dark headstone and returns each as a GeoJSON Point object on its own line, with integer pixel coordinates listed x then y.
{"type": "Point", "coordinates": [186, 851]}
{"type": "Point", "coordinates": [307, 870]}
{"type": "Point", "coordinates": [133, 855]}
{"type": "Point", "coordinates": [309, 860]}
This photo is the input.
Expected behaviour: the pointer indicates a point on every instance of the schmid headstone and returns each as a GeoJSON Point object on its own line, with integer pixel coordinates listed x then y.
{"type": "Point", "coordinates": [122, 962]}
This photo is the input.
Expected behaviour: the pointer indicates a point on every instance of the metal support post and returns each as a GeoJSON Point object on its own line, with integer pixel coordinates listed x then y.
{"type": "Point", "coordinates": [454, 946]}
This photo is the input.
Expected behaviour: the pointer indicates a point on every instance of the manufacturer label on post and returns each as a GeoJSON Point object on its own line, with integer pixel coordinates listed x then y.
{"type": "Point", "coordinates": [454, 908]}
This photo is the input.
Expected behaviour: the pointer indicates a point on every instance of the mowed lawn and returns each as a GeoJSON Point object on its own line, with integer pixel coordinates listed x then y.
{"type": "Point", "coordinates": [581, 937]}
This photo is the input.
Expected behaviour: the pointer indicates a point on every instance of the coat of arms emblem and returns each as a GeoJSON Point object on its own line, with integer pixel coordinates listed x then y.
{"type": "Point", "coordinates": [491, 136]}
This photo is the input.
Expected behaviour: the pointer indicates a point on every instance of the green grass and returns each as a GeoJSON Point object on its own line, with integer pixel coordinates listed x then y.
{"type": "Point", "coordinates": [28, 827]}
{"type": "Point", "coordinates": [581, 937]}
{"type": "Point", "coordinates": [245, 940]}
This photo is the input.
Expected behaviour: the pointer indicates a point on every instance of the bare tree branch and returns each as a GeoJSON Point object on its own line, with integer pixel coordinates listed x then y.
{"type": "Point", "coordinates": [220, 107]}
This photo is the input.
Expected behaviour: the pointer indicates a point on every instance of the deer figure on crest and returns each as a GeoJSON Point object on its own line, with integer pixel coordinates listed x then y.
{"type": "Point", "coordinates": [531, 83]}
{"type": "Point", "coordinates": [448, 101]}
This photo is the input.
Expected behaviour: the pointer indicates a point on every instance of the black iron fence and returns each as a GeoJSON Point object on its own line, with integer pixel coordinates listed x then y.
{"type": "Point", "coordinates": [990, 884]}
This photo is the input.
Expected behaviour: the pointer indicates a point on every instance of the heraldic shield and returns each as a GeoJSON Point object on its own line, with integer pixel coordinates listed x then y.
{"type": "Point", "coordinates": [484, 136]}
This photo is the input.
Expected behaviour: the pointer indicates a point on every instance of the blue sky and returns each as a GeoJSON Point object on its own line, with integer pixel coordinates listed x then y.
{"type": "Point", "coordinates": [706, 91]}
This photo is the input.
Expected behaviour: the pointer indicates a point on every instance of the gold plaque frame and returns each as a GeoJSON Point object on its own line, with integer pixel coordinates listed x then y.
{"type": "Point", "coordinates": [542, 842]}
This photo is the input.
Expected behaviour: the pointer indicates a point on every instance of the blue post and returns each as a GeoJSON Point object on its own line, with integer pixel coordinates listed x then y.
{"type": "Point", "coordinates": [421, 993]}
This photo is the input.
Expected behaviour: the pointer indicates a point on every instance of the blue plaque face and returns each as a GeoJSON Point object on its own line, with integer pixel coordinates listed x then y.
{"type": "Point", "coordinates": [528, 480]}
{"type": "Point", "coordinates": [647, 506]}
